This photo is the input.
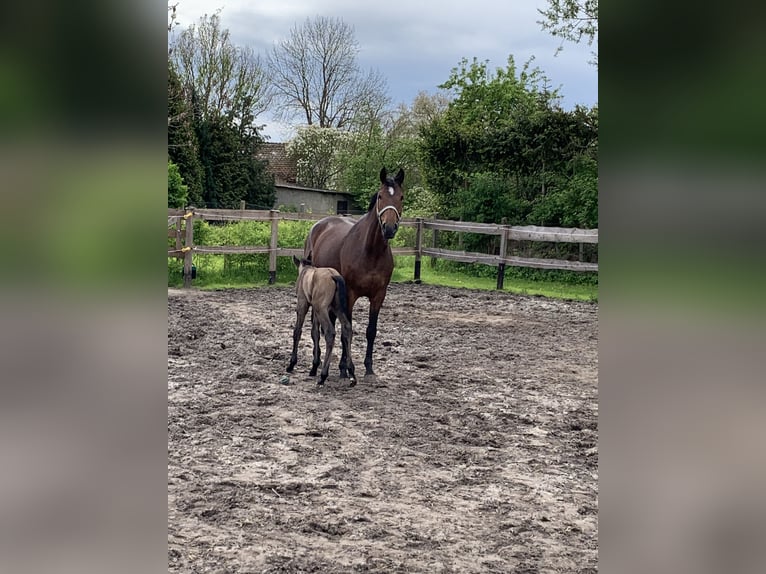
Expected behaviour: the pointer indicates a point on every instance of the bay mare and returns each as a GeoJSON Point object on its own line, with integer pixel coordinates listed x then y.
{"type": "Point", "coordinates": [324, 290]}
{"type": "Point", "coordinates": [361, 253]}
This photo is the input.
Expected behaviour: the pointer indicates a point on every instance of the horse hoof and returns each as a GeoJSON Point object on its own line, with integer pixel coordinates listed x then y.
{"type": "Point", "coordinates": [320, 383]}
{"type": "Point", "coordinates": [352, 383]}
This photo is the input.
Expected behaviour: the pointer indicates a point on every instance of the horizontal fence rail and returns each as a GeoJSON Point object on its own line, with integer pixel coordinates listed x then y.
{"type": "Point", "coordinates": [180, 228]}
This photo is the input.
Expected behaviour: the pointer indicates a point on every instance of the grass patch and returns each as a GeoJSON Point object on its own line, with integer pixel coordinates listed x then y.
{"type": "Point", "coordinates": [213, 272]}
{"type": "Point", "coordinates": [405, 266]}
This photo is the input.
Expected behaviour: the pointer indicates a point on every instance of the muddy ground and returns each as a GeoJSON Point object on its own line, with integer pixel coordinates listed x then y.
{"type": "Point", "coordinates": [473, 450]}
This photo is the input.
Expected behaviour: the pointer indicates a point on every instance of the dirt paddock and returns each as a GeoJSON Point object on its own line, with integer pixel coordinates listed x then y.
{"type": "Point", "coordinates": [474, 449]}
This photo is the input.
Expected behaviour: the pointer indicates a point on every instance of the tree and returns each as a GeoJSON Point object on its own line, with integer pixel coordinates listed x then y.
{"type": "Point", "coordinates": [215, 92]}
{"type": "Point", "coordinates": [177, 191]}
{"type": "Point", "coordinates": [226, 79]}
{"type": "Point", "coordinates": [572, 20]}
{"type": "Point", "coordinates": [316, 151]}
{"type": "Point", "coordinates": [183, 147]}
{"type": "Point", "coordinates": [505, 148]}
{"type": "Point", "coordinates": [231, 171]}
{"type": "Point", "coordinates": [315, 76]}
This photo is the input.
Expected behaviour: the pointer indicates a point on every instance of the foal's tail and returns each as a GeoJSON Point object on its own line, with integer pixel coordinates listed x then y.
{"type": "Point", "coordinates": [341, 297]}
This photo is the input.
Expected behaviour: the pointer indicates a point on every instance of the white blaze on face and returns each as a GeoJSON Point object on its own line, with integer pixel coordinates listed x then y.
{"type": "Point", "coordinates": [391, 191]}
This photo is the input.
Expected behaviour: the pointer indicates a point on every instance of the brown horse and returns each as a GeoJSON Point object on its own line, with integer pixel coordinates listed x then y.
{"type": "Point", "coordinates": [324, 290]}
{"type": "Point", "coordinates": [360, 251]}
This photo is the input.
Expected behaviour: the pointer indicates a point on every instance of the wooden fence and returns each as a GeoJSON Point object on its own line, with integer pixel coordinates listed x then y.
{"type": "Point", "coordinates": [181, 228]}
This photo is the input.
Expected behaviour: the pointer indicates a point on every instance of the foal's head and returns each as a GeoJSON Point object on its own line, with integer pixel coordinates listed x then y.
{"type": "Point", "coordinates": [387, 202]}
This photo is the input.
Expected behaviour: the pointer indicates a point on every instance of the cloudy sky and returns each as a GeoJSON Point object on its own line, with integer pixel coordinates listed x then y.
{"type": "Point", "coordinates": [415, 43]}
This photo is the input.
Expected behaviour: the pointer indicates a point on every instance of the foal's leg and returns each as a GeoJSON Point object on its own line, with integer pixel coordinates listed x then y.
{"type": "Point", "coordinates": [315, 339]}
{"type": "Point", "coordinates": [329, 338]}
{"type": "Point", "coordinates": [301, 310]}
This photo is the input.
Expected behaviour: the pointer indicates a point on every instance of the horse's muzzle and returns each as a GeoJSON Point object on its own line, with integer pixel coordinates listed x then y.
{"type": "Point", "coordinates": [389, 230]}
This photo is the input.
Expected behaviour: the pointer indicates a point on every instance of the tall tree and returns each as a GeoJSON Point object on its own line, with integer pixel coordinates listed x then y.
{"type": "Point", "coordinates": [226, 79]}
{"type": "Point", "coordinates": [183, 147]}
{"type": "Point", "coordinates": [316, 77]}
{"type": "Point", "coordinates": [316, 152]}
{"type": "Point", "coordinates": [572, 20]}
{"type": "Point", "coordinates": [504, 148]}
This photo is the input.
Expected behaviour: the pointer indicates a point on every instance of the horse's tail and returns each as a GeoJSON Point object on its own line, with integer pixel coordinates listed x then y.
{"type": "Point", "coordinates": [341, 297]}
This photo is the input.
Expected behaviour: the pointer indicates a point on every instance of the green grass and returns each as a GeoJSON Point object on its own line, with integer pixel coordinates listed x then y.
{"type": "Point", "coordinates": [211, 275]}
{"type": "Point", "coordinates": [404, 272]}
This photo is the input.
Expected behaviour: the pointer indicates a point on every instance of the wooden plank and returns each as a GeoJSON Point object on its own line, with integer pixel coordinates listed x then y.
{"type": "Point", "coordinates": [298, 216]}
{"type": "Point", "coordinates": [231, 215]}
{"type": "Point", "coordinates": [230, 249]}
{"type": "Point", "coordinates": [551, 264]}
{"type": "Point", "coordinates": [418, 249]}
{"type": "Point", "coordinates": [189, 246]}
{"type": "Point", "coordinates": [503, 253]}
{"type": "Point", "coordinates": [274, 214]}
{"type": "Point", "coordinates": [290, 251]}
{"type": "Point", "coordinates": [464, 227]}
{"type": "Point", "coordinates": [404, 251]}
{"type": "Point", "coordinates": [556, 234]}
{"type": "Point", "coordinates": [462, 256]}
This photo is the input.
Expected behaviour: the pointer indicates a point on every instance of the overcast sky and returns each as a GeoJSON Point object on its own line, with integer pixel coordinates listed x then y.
{"type": "Point", "coordinates": [415, 43]}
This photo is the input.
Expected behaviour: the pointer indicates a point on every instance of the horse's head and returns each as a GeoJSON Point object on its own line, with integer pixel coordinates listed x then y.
{"type": "Point", "coordinates": [302, 263]}
{"type": "Point", "coordinates": [388, 202]}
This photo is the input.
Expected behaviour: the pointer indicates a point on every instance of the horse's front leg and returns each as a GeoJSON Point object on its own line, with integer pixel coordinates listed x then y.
{"type": "Point", "coordinates": [329, 337]}
{"type": "Point", "coordinates": [300, 317]}
{"type": "Point", "coordinates": [372, 331]}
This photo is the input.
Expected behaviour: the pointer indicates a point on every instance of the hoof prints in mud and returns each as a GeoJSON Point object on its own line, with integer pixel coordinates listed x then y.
{"type": "Point", "coordinates": [473, 450]}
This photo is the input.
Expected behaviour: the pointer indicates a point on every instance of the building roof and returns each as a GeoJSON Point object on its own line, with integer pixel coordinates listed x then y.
{"type": "Point", "coordinates": [279, 165]}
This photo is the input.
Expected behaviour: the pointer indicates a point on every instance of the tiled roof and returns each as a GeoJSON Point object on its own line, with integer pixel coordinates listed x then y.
{"type": "Point", "coordinates": [279, 164]}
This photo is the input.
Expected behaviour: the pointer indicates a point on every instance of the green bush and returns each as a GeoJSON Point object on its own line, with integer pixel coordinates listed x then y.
{"type": "Point", "coordinates": [177, 191]}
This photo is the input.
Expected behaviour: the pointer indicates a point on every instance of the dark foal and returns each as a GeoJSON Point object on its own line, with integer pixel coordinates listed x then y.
{"type": "Point", "coordinates": [361, 253]}
{"type": "Point", "coordinates": [324, 290]}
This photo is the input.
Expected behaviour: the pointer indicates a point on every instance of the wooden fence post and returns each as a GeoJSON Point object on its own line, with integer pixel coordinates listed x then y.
{"type": "Point", "coordinates": [418, 247]}
{"type": "Point", "coordinates": [274, 215]}
{"type": "Point", "coordinates": [188, 248]}
{"type": "Point", "coordinates": [179, 236]}
{"type": "Point", "coordinates": [435, 243]}
{"type": "Point", "coordinates": [242, 205]}
{"type": "Point", "coordinates": [503, 249]}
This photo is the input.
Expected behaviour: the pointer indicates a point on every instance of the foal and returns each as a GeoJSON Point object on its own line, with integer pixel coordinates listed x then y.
{"type": "Point", "coordinates": [323, 289]}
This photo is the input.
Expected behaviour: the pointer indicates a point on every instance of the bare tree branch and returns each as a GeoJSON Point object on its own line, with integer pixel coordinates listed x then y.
{"type": "Point", "coordinates": [315, 75]}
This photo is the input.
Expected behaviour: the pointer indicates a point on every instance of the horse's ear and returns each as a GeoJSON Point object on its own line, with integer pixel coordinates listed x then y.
{"type": "Point", "coordinates": [383, 176]}
{"type": "Point", "coordinates": [399, 177]}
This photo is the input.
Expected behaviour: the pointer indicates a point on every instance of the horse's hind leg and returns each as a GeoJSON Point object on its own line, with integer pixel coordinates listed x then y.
{"type": "Point", "coordinates": [345, 339]}
{"type": "Point", "coordinates": [329, 337]}
{"type": "Point", "coordinates": [315, 339]}
{"type": "Point", "coordinates": [301, 310]}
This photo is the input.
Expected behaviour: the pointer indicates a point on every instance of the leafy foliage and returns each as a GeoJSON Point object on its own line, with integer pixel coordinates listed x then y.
{"type": "Point", "coordinates": [177, 191]}
{"type": "Point", "coordinates": [215, 91]}
{"type": "Point", "coordinates": [505, 149]}
{"type": "Point", "coordinates": [572, 20]}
